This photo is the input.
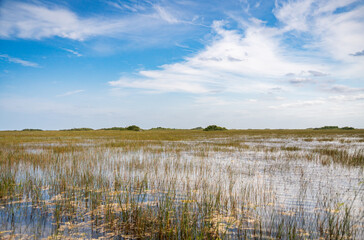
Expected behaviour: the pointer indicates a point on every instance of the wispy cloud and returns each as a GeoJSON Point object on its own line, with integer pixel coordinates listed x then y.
{"type": "Point", "coordinates": [256, 73]}
{"type": "Point", "coordinates": [123, 5]}
{"type": "Point", "coordinates": [351, 98]}
{"type": "Point", "coordinates": [317, 73]}
{"type": "Point", "coordinates": [18, 61]}
{"type": "Point", "coordinates": [342, 89]}
{"type": "Point", "coordinates": [337, 34]}
{"type": "Point", "coordinates": [165, 15]}
{"type": "Point", "coordinates": [260, 58]}
{"type": "Point", "coordinates": [232, 63]}
{"type": "Point", "coordinates": [306, 77]}
{"type": "Point", "coordinates": [73, 52]}
{"type": "Point", "coordinates": [30, 21]}
{"type": "Point", "coordinates": [299, 104]}
{"type": "Point", "coordinates": [70, 93]}
{"type": "Point", "coordinates": [301, 80]}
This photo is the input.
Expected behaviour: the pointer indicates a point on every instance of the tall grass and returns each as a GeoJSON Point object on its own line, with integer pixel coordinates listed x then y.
{"type": "Point", "coordinates": [180, 184]}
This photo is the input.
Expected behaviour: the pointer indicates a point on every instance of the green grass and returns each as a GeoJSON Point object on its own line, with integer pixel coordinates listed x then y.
{"type": "Point", "coordinates": [179, 184]}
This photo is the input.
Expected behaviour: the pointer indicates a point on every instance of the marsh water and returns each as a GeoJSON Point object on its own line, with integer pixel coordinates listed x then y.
{"type": "Point", "coordinates": [234, 187]}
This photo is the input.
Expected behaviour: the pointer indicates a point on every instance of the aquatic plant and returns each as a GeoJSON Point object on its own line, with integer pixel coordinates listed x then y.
{"type": "Point", "coordinates": [182, 184]}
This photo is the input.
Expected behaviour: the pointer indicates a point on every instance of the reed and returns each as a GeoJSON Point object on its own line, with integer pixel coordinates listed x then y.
{"type": "Point", "coordinates": [182, 184]}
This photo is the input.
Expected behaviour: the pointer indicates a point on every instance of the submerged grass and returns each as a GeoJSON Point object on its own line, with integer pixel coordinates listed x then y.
{"type": "Point", "coordinates": [182, 184]}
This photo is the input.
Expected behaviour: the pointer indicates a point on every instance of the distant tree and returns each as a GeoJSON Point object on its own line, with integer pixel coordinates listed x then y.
{"type": "Point", "coordinates": [114, 128]}
{"type": "Point", "coordinates": [133, 128]}
{"type": "Point", "coordinates": [32, 129]}
{"type": "Point", "coordinates": [347, 128]}
{"type": "Point", "coordinates": [327, 127]}
{"type": "Point", "coordinates": [197, 128]}
{"type": "Point", "coordinates": [214, 128]}
{"type": "Point", "coordinates": [161, 128]}
{"type": "Point", "coordinates": [78, 129]}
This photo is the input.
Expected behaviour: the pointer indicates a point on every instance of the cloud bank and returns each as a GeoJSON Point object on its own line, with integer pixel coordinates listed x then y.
{"type": "Point", "coordinates": [258, 58]}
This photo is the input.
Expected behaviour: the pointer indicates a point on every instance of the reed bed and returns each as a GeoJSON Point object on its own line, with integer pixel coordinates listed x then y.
{"type": "Point", "coordinates": [182, 184]}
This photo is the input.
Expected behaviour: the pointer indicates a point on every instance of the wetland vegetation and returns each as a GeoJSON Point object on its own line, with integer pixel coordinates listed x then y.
{"type": "Point", "coordinates": [182, 184]}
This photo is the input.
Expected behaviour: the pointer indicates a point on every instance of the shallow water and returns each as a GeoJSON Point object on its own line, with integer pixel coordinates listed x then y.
{"type": "Point", "coordinates": [264, 179]}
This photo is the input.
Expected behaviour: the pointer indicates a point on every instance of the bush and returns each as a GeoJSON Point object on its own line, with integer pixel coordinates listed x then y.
{"type": "Point", "coordinates": [32, 129]}
{"type": "Point", "coordinates": [334, 127]}
{"type": "Point", "coordinates": [133, 128]}
{"type": "Point", "coordinates": [162, 128]}
{"type": "Point", "coordinates": [197, 128]}
{"type": "Point", "coordinates": [327, 127]}
{"type": "Point", "coordinates": [347, 128]}
{"type": "Point", "coordinates": [114, 128]}
{"type": "Point", "coordinates": [214, 128]}
{"type": "Point", "coordinates": [78, 129]}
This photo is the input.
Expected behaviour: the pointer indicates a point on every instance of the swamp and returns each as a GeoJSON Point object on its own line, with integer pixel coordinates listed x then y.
{"type": "Point", "coordinates": [182, 184]}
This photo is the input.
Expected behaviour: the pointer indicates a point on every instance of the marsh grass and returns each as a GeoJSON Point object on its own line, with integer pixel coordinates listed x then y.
{"type": "Point", "coordinates": [182, 184]}
{"type": "Point", "coordinates": [342, 156]}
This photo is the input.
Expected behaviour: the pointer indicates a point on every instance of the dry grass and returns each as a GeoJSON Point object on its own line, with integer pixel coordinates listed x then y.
{"type": "Point", "coordinates": [182, 184]}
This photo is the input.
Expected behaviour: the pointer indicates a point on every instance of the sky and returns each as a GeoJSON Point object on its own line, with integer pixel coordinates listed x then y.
{"type": "Point", "coordinates": [181, 64]}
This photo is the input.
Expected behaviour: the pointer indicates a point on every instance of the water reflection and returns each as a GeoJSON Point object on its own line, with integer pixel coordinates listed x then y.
{"type": "Point", "coordinates": [90, 190]}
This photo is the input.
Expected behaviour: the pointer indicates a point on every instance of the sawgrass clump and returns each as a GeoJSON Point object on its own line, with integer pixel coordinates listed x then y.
{"type": "Point", "coordinates": [181, 184]}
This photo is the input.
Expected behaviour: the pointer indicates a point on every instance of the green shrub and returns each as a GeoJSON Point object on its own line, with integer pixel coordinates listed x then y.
{"type": "Point", "coordinates": [347, 128]}
{"type": "Point", "coordinates": [114, 128]}
{"type": "Point", "coordinates": [162, 128]}
{"type": "Point", "coordinates": [334, 127]}
{"type": "Point", "coordinates": [214, 128]}
{"type": "Point", "coordinates": [78, 129]}
{"type": "Point", "coordinates": [133, 128]}
{"type": "Point", "coordinates": [327, 127]}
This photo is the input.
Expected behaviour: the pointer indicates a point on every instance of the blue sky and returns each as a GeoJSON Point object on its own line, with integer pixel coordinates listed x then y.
{"type": "Point", "coordinates": [181, 64]}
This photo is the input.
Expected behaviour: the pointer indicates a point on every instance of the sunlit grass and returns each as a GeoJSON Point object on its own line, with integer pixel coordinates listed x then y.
{"type": "Point", "coordinates": [182, 184]}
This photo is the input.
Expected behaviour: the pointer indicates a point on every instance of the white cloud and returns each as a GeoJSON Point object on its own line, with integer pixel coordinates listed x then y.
{"type": "Point", "coordinates": [231, 63]}
{"type": "Point", "coordinates": [341, 34]}
{"type": "Point", "coordinates": [317, 74]}
{"type": "Point", "coordinates": [306, 77]}
{"type": "Point", "coordinates": [18, 61]}
{"type": "Point", "coordinates": [29, 21]}
{"type": "Point", "coordinates": [121, 6]}
{"type": "Point", "coordinates": [256, 74]}
{"type": "Point", "coordinates": [129, 6]}
{"type": "Point", "coordinates": [351, 97]}
{"type": "Point", "coordinates": [335, 34]}
{"type": "Point", "coordinates": [297, 104]}
{"type": "Point", "coordinates": [300, 80]}
{"type": "Point", "coordinates": [342, 89]}
{"type": "Point", "coordinates": [73, 52]}
{"type": "Point", "coordinates": [70, 93]}
{"type": "Point", "coordinates": [165, 15]}
{"type": "Point", "coordinates": [260, 59]}
{"type": "Point", "coordinates": [295, 14]}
